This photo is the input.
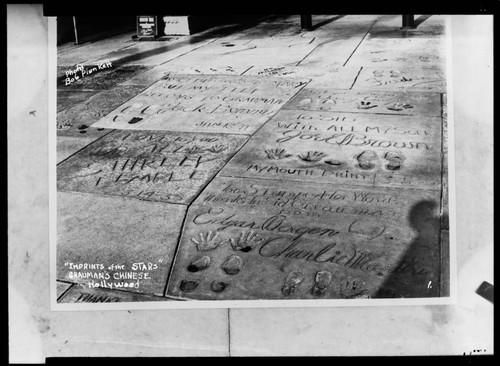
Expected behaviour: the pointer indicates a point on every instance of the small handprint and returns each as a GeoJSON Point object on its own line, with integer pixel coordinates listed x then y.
{"type": "Point", "coordinates": [207, 241]}
{"type": "Point", "coordinates": [312, 156]}
{"type": "Point", "coordinates": [216, 149]}
{"type": "Point", "coordinates": [277, 154]}
{"type": "Point", "coordinates": [246, 241]}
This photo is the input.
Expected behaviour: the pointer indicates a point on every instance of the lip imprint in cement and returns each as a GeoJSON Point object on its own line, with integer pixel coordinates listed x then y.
{"type": "Point", "coordinates": [291, 282]}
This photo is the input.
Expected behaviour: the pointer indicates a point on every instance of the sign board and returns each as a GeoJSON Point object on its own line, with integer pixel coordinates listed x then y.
{"type": "Point", "coordinates": [147, 26]}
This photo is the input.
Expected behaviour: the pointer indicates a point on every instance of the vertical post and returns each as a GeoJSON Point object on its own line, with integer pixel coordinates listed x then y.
{"type": "Point", "coordinates": [306, 21]}
{"type": "Point", "coordinates": [408, 21]}
{"type": "Point", "coordinates": [74, 27]}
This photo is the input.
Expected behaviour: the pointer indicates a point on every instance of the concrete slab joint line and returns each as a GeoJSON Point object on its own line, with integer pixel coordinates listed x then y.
{"type": "Point", "coordinates": [345, 63]}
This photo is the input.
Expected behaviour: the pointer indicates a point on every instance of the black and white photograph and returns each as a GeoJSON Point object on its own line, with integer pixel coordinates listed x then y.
{"type": "Point", "coordinates": [244, 176]}
{"type": "Point", "coordinates": [269, 158]}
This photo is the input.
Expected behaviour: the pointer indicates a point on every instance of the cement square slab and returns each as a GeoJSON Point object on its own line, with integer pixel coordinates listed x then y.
{"type": "Point", "coordinates": [401, 79]}
{"type": "Point", "coordinates": [204, 103]}
{"type": "Point", "coordinates": [113, 243]}
{"type": "Point", "coordinates": [361, 101]}
{"type": "Point", "coordinates": [256, 239]}
{"type": "Point", "coordinates": [149, 165]}
{"type": "Point", "coordinates": [344, 148]}
{"type": "Point", "coordinates": [81, 294]}
{"type": "Point", "coordinates": [74, 120]}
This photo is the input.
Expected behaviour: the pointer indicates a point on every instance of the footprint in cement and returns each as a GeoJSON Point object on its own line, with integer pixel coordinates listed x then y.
{"type": "Point", "coordinates": [291, 282]}
{"type": "Point", "coordinates": [232, 265]}
{"type": "Point", "coordinates": [134, 120]}
{"type": "Point", "coordinates": [365, 160]}
{"type": "Point", "coordinates": [199, 264]}
{"type": "Point", "coordinates": [321, 282]}
{"type": "Point", "coordinates": [395, 161]}
{"type": "Point", "coordinates": [188, 285]}
{"type": "Point", "coordinates": [218, 286]}
{"type": "Point", "coordinates": [334, 163]}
